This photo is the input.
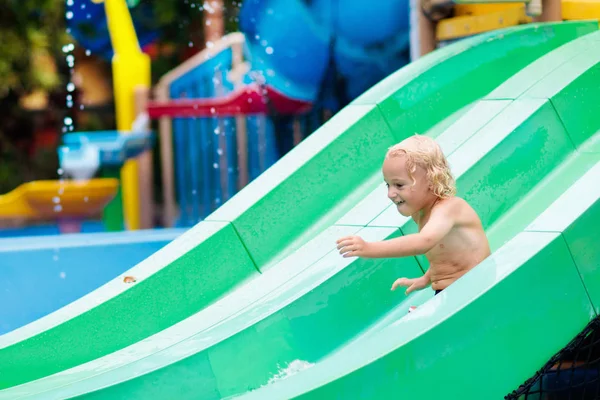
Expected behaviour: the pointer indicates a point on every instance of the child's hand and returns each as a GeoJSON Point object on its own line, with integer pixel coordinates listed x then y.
{"type": "Point", "coordinates": [352, 246]}
{"type": "Point", "coordinates": [412, 284]}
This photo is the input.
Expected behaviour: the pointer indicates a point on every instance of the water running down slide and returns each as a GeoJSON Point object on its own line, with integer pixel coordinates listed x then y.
{"type": "Point", "coordinates": [260, 280]}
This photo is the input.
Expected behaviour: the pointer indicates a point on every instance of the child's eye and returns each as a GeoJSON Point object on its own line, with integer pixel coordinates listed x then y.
{"type": "Point", "coordinates": [399, 186]}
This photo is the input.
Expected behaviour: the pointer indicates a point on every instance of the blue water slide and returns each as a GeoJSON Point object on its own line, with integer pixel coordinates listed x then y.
{"type": "Point", "coordinates": [317, 49]}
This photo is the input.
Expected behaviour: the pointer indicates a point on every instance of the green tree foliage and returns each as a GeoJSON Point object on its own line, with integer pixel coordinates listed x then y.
{"type": "Point", "coordinates": [32, 34]}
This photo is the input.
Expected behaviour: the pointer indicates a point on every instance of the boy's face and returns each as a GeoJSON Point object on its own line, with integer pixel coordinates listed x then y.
{"type": "Point", "coordinates": [409, 198]}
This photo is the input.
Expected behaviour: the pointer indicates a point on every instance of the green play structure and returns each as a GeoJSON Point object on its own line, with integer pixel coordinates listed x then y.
{"type": "Point", "coordinates": [256, 303]}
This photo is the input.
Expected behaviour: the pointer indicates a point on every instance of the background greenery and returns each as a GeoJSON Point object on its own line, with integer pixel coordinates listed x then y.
{"type": "Point", "coordinates": [32, 35]}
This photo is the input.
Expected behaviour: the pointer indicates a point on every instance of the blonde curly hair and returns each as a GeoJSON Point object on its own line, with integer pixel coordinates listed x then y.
{"type": "Point", "coordinates": [424, 151]}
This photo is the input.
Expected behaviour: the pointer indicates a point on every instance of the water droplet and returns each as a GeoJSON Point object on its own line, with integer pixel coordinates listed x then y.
{"type": "Point", "coordinates": [85, 199]}
{"type": "Point", "coordinates": [216, 131]}
{"type": "Point", "coordinates": [71, 87]}
{"type": "Point", "coordinates": [69, 3]}
{"type": "Point", "coordinates": [208, 23]}
{"type": "Point", "coordinates": [57, 208]}
{"type": "Point", "coordinates": [65, 49]}
{"type": "Point", "coordinates": [64, 129]}
{"type": "Point", "coordinates": [190, 44]}
{"type": "Point", "coordinates": [269, 50]}
{"type": "Point", "coordinates": [212, 110]}
{"type": "Point", "coordinates": [209, 45]}
{"type": "Point", "coordinates": [88, 16]}
{"type": "Point", "coordinates": [88, 52]}
{"type": "Point", "coordinates": [83, 6]}
{"type": "Point", "coordinates": [220, 152]}
{"type": "Point", "coordinates": [61, 191]}
{"type": "Point", "coordinates": [263, 42]}
{"type": "Point", "coordinates": [250, 100]}
{"type": "Point", "coordinates": [56, 199]}
{"type": "Point", "coordinates": [68, 121]}
{"type": "Point", "coordinates": [256, 37]}
{"type": "Point", "coordinates": [270, 72]}
{"type": "Point", "coordinates": [81, 107]}
{"type": "Point", "coordinates": [63, 275]}
{"type": "Point", "coordinates": [194, 192]}
{"type": "Point", "coordinates": [55, 257]}
{"type": "Point", "coordinates": [69, 14]}
{"type": "Point", "coordinates": [215, 165]}
{"type": "Point", "coordinates": [71, 47]}
{"type": "Point", "coordinates": [60, 171]}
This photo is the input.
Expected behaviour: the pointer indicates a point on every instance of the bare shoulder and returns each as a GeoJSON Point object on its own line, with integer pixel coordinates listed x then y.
{"type": "Point", "coordinates": [460, 209]}
{"type": "Point", "coordinates": [452, 204]}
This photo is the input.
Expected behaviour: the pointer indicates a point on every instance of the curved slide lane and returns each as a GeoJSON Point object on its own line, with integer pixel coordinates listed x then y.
{"type": "Point", "coordinates": [265, 263]}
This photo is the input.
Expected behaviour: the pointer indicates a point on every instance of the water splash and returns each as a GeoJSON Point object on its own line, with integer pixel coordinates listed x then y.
{"type": "Point", "coordinates": [292, 369]}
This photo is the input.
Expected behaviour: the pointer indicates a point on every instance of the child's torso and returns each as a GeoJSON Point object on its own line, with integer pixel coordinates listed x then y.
{"type": "Point", "coordinates": [464, 247]}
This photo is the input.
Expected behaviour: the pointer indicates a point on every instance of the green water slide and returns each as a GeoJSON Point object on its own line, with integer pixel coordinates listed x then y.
{"type": "Point", "coordinates": [255, 301]}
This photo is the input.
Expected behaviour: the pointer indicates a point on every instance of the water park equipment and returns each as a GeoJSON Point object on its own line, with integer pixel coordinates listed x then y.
{"type": "Point", "coordinates": [260, 278]}
{"type": "Point", "coordinates": [83, 154]}
{"type": "Point", "coordinates": [68, 202]}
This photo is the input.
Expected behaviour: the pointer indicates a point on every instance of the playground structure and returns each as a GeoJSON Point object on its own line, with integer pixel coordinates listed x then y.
{"type": "Point", "coordinates": [253, 92]}
{"type": "Point", "coordinates": [68, 202]}
{"type": "Point", "coordinates": [252, 282]}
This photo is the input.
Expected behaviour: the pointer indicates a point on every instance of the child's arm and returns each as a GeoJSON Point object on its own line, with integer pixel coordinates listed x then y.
{"type": "Point", "coordinates": [440, 223]}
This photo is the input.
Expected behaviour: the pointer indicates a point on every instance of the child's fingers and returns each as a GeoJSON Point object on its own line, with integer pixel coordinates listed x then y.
{"type": "Point", "coordinates": [346, 248]}
{"type": "Point", "coordinates": [343, 238]}
{"type": "Point", "coordinates": [398, 282]}
{"type": "Point", "coordinates": [410, 288]}
{"type": "Point", "coordinates": [344, 243]}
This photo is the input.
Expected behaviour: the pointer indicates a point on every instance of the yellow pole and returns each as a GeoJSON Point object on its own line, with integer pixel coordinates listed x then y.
{"type": "Point", "coordinates": [131, 69]}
